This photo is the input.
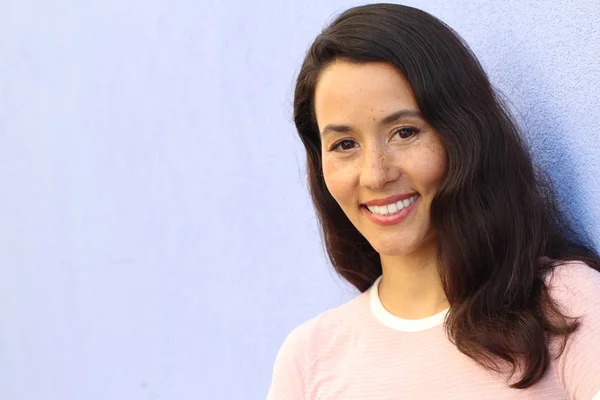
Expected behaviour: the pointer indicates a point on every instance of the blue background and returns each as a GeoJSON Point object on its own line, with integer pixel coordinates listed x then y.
{"type": "Point", "coordinates": [156, 236]}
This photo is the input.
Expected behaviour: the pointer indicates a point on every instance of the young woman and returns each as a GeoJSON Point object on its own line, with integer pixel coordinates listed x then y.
{"type": "Point", "coordinates": [473, 287]}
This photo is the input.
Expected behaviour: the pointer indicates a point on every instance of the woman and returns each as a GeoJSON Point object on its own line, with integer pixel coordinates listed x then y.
{"type": "Point", "coordinates": [472, 284]}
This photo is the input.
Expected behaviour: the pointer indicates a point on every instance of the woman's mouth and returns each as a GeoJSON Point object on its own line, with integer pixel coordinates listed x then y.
{"type": "Point", "coordinates": [393, 213]}
{"type": "Point", "coordinates": [393, 208]}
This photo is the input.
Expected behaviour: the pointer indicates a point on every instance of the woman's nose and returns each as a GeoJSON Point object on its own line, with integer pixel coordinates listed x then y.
{"type": "Point", "coordinates": [377, 169]}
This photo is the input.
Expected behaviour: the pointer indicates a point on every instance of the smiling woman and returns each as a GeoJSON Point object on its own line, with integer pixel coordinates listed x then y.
{"type": "Point", "coordinates": [473, 286]}
{"type": "Point", "coordinates": [387, 163]}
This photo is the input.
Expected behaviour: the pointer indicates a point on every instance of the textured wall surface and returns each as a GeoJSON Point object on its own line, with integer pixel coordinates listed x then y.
{"type": "Point", "coordinates": [156, 238]}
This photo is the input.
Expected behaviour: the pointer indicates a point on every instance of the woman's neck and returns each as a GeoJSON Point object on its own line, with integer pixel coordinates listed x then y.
{"type": "Point", "coordinates": [411, 287]}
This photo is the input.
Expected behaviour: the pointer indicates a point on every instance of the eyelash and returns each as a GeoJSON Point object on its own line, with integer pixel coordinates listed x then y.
{"type": "Point", "coordinates": [412, 129]}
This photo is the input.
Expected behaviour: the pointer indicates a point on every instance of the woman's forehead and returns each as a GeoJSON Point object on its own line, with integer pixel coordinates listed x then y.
{"type": "Point", "coordinates": [348, 91]}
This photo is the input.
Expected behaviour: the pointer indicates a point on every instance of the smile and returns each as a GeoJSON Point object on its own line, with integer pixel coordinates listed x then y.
{"type": "Point", "coordinates": [393, 208]}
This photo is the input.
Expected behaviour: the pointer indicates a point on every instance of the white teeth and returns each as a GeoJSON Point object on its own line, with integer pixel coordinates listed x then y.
{"type": "Point", "coordinates": [394, 207]}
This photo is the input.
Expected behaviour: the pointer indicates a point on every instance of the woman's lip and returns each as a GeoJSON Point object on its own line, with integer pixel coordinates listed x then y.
{"type": "Point", "coordinates": [390, 219]}
{"type": "Point", "coordinates": [389, 200]}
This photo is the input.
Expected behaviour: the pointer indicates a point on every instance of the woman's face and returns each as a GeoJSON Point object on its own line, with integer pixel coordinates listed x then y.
{"type": "Point", "coordinates": [382, 162]}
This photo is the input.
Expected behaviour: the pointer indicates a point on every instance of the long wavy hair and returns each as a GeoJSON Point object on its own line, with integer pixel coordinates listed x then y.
{"type": "Point", "coordinates": [498, 226]}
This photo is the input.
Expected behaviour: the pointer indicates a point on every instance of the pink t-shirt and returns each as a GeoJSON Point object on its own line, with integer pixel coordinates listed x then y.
{"type": "Point", "coordinates": [360, 351]}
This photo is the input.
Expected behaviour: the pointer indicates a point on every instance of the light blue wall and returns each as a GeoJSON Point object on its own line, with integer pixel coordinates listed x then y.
{"type": "Point", "coordinates": [156, 236]}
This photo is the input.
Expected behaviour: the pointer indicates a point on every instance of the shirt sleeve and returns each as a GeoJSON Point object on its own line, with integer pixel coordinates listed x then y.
{"type": "Point", "coordinates": [576, 287]}
{"type": "Point", "coordinates": [288, 379]}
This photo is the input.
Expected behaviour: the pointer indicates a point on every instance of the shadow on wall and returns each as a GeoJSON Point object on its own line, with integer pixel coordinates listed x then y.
{"type": "Point", "coordinates": [539, 117]}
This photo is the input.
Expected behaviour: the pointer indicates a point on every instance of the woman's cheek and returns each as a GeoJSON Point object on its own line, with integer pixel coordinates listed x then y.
{"type": "Point", "coordinates": [433, 165]}
{"type": "Point", "coordinates": [338, 179]}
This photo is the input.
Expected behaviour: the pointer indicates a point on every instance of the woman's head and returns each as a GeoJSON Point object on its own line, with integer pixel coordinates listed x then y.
{"type": "Point", "coordinates": [382, 162]}
{"type": "Point", "coordinates": [427, 70]}
{"type": "Point", "coordinates": [450, 145]}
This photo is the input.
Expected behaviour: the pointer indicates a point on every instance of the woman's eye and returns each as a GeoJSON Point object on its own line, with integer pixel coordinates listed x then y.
{"type": "Point", "coordinates": [345, 144]}
{"type": "Point", "coordinates": [406, 132]}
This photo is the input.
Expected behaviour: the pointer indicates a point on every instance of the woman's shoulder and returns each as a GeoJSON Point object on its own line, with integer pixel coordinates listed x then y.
{"type": "Point", "coordinates": [328, 326]}
{"type": "Point", "coordinates": [332, 320]}
{"type": "Point", "coordinates": [569, 270]}
{"type": "Point", "coordinates": [302, 345]}
{"type": "Point", "coordinates": [573, 284]}
{"type": "Point", "coordinates": [575, 287]}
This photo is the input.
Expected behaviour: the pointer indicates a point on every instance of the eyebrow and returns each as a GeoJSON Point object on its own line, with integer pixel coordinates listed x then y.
{"type": "Point", "coordinates": [387, 120]}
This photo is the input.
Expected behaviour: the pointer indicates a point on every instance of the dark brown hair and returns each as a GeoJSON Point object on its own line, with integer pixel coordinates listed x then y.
{"type": "Point", "coordinates": [498, 226]}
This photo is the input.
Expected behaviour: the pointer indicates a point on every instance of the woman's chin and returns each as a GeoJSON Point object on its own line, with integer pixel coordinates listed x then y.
{"type": "Point", "coordinates": [393, 249]}
{"type": "Point", "coordinates": [400, 246]}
